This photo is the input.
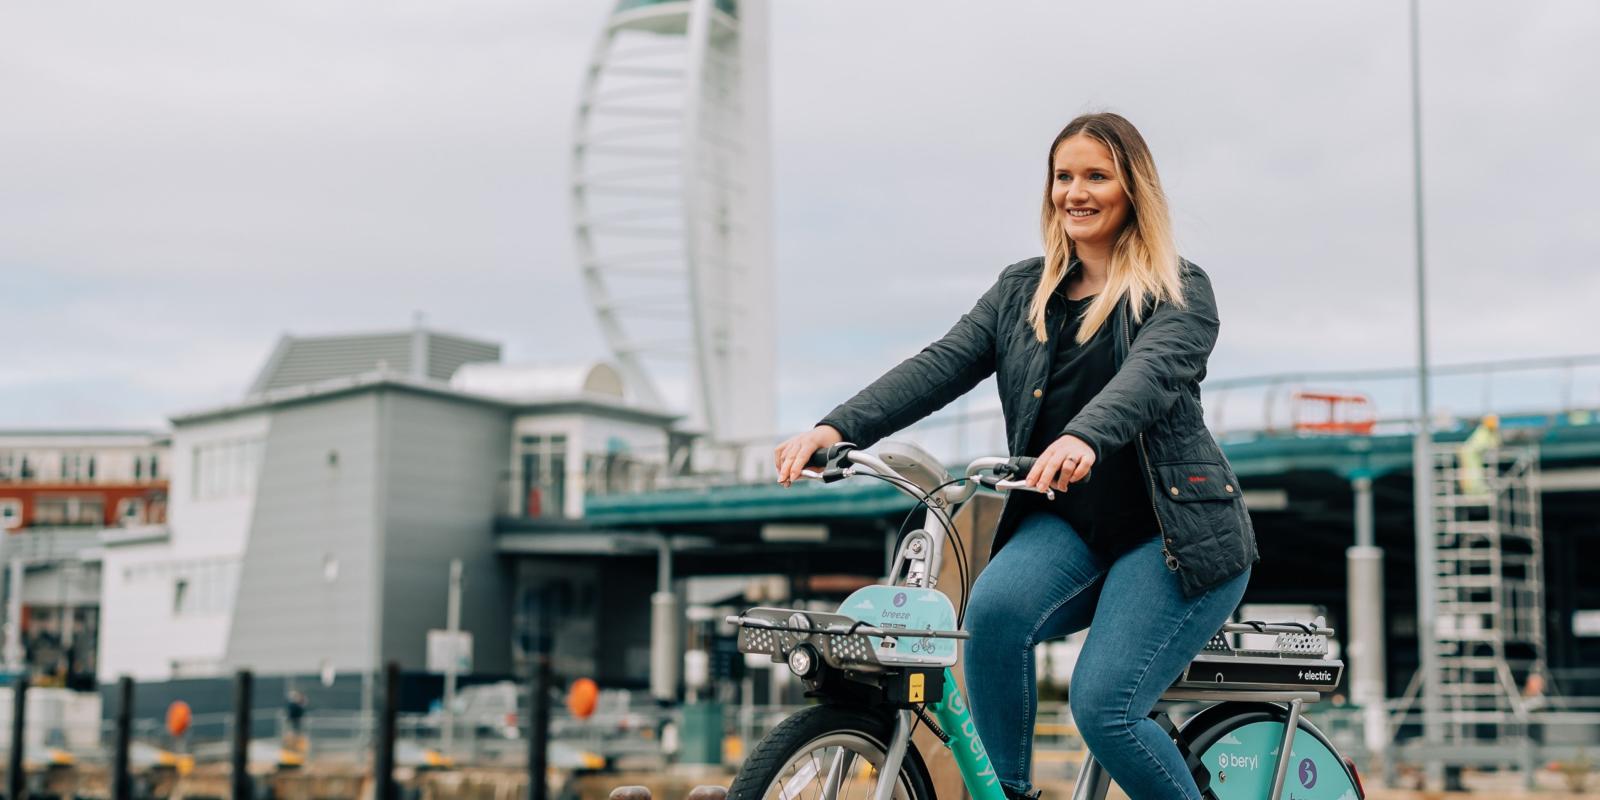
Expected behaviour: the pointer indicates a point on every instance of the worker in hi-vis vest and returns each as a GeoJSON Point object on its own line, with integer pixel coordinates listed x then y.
{"type": "Point", "coordinates": [1470, 455]}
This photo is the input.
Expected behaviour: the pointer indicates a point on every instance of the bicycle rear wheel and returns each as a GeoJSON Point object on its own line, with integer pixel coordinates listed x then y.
{"type": "Point", "coordinates": [1238, 743]}
{"type": "Point", "coordinates": [824, 745]}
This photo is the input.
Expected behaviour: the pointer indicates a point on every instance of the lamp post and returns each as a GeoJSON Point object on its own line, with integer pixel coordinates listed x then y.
{"type": "Point", "coordinates": [1422, 445]}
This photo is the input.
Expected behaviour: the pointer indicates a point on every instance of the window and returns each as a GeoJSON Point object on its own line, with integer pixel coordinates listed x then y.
{"type": "Point", "coordinates": [10, 514]}
{"type": "Point", "coordinates": [544, 474]}
{"type": "Point", "coordinates": [77, 467]}
{"type": "Point", "coordinates": [618, 473]}
{"type": "Point", "coordinates": [144, 467]}
{"type": "Point", "coordinates": [224, 469]}
{"type": "Point", "coordinates": [64, 511]}
{"type": "Point", "coordinates": [202, 587]}
{"type": "Point", "coordinates": [130, 511]}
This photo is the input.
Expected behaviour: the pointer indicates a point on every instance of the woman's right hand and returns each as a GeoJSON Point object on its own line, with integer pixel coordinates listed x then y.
{"type": "Point", "coordinates": [791, 456]}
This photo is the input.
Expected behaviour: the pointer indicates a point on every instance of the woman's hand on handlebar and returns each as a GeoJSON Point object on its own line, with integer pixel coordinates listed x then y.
{"type": "Point", "coordinates": [791, 456]}
{"type": "Point", "coordinates": [1067, 460]}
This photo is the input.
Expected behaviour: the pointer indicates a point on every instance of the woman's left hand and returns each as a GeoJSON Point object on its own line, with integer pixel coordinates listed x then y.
{"type": "Point", "coordinates": [1067, 460]}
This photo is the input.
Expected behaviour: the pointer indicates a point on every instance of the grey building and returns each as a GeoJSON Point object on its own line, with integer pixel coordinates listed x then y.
{"type": "Point", "coordinates": [311, 525]}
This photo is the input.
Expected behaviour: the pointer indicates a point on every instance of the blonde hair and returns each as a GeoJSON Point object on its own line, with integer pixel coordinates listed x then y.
{"type": "Point", "coordinates": [1144, 261]}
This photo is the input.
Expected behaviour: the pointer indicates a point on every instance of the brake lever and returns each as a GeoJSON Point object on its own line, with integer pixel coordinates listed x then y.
{"type": "Point", "coordinates": [1050, 494]}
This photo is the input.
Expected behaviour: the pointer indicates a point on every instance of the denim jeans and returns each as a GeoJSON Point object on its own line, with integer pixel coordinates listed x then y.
{"type": "Point", "coordinates": [1045, 584]}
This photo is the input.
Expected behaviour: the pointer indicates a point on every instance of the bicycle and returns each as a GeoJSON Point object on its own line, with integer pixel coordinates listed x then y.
{"type": "Point", "coordinates": [874, 691]}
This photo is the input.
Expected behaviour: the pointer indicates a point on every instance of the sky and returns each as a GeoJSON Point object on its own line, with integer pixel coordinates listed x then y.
{"type": "Point", "coordinates": [182, 182]}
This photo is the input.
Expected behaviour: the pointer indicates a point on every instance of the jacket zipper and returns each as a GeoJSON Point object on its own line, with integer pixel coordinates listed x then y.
{"type": "Point", "coordinates": [1172, 560]}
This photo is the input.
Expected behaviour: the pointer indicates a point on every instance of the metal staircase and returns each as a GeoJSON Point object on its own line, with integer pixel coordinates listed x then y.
{"type": "Point", "coordinates": [1490, 601]}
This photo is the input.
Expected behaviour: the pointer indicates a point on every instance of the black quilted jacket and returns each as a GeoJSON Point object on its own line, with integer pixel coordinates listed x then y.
{"type": "Point", "coordinates": [1153, 404]}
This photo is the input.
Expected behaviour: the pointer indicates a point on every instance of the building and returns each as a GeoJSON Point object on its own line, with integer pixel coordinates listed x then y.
{"type": "Point", "coordinates": [311, 524]}
{"type": "Point", "coordinates": [60, 492]}
{"type": "Point", "coordinates": [85, 478]}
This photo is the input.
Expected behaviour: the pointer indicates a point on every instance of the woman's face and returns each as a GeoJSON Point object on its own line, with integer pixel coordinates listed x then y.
{"type": "Point", "coordinates": [1091, 203]}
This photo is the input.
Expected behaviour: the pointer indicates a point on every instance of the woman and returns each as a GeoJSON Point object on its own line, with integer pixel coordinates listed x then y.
{"type": "Point", "coordinates": [1098, 348]}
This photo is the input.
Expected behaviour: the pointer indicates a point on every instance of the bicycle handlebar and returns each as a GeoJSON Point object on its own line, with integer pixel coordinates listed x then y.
{"type": "Point", "coordinates": [1007, 474]}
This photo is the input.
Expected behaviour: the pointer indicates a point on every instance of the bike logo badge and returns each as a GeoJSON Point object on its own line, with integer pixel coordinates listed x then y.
{"type": "Point", "coordinates": [899, 599]}
{"type": "Point", "coordinates": [1308, 773]}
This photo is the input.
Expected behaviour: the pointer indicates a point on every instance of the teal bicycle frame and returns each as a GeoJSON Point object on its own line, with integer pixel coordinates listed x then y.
{"type": "Point", "coordinates": [977, 771]}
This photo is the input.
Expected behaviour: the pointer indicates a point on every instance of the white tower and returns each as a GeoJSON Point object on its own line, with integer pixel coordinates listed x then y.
{"type": "Point", "coordinates": [672, 210]}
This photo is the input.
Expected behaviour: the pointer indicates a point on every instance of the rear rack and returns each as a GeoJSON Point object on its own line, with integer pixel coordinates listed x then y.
{"type": "Point", "coordinates": [1296, 666]}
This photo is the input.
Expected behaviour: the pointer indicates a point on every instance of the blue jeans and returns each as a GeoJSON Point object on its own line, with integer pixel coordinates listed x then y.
{"type": "Point", "coordinates": [1045, 584]}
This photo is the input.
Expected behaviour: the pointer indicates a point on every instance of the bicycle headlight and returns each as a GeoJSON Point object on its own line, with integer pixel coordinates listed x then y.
{"type": "Point", "coordinates": [803, 661]}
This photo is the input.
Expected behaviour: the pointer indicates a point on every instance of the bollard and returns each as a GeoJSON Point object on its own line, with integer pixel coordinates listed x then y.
{"type": "Point", "coordinates": [17, 778]}
{"type": "Point", "coordinates": [539, 699]}
{"type": "Point", "coordinates": [383, 759]}
{"type": "Point", "coordinates": [242, 695]}
{"type": "Point", "coordinates": [706, 792]}
{"type": "Point", "coordinates": [121, 786]}
{"type": "Point", "coordinates": [630, 793]}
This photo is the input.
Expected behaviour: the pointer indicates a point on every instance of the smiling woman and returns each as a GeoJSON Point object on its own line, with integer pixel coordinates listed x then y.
{"type": "Point", "coordinates": [1104, 206]}
{"type": "Point", "coordinates": [1098, 348]}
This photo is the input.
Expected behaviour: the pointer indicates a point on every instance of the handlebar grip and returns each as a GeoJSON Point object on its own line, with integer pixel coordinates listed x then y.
{"type": "Point", "coordinates": [1017, 467]}
{"type": "Point", "coordinates": [839, 452]}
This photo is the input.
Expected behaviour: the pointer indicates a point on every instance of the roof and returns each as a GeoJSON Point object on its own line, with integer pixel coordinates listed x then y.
{"type": "Point", "coordinates": [591, 404]}
{"type": "Point", "coordinates": [1346, 456]}
{"type": "Point", "coordinates": [84, 437]}
{"type": "Point", "coordinates": [417, 353]}
{"type": "Point", "coordinates": [533, 383]}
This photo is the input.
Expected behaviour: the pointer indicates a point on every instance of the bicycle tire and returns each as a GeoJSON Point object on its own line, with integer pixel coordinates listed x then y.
{"type": "Point", "coordinates": [775, 761]}
{"type": "Point", "coordinates": [1252, 726]}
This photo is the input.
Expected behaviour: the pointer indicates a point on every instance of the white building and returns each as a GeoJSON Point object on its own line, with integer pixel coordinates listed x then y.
{"type": "Point", "coordinates": [311, 525]}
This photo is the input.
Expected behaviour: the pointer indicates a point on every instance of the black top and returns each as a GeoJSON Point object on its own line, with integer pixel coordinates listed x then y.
{"type": "Point", "coordinates": [1111, 509]}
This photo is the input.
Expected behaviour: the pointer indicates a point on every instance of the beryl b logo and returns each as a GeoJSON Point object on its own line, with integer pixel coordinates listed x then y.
{"type": "Point", "coordinates": [1308, 773]}
{"type": "Point", "coordinates": [899, 599]}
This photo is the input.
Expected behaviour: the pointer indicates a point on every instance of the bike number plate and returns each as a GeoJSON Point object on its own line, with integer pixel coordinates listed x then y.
{"type": "Point", "coordinates": [912, 609]}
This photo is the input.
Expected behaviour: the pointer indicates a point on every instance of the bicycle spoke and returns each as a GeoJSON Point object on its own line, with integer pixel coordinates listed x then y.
{"type": "Point", "coordinates": [817, 766]}
{"type": "Point", "coordinates": [836, 772]}
{"type": "Point", "coordinates": [795, 786]}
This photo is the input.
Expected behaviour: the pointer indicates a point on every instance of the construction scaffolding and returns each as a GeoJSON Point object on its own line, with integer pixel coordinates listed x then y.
{"type": "Point", "coordinates": [1489, 614]}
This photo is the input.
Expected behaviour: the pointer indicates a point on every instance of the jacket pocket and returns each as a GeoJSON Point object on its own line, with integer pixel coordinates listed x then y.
{"type": "Point", "coordinates": [1204, 503]}
{"type": "Point", "coordinates": [1196, 481]}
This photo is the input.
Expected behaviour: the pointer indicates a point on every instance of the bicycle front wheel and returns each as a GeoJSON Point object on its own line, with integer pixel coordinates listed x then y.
{"type": "Point", "coordinates": [828, 752]}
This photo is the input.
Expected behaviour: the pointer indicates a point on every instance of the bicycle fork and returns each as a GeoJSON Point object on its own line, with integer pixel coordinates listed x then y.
{"type": "Point", "coordinates": [954, 727]}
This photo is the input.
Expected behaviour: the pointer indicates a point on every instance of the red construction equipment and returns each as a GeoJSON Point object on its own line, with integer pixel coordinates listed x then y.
{"type": "Point", "coordinates": [1331, 413]}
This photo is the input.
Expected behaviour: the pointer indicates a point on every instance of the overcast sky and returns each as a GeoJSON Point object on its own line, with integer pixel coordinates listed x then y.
{"type": "Point", "coordinates": [182, 181]}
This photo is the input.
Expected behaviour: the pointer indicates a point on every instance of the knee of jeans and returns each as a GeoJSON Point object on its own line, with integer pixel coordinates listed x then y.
{"type": "Point", "coordinates": [1094, 710]}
